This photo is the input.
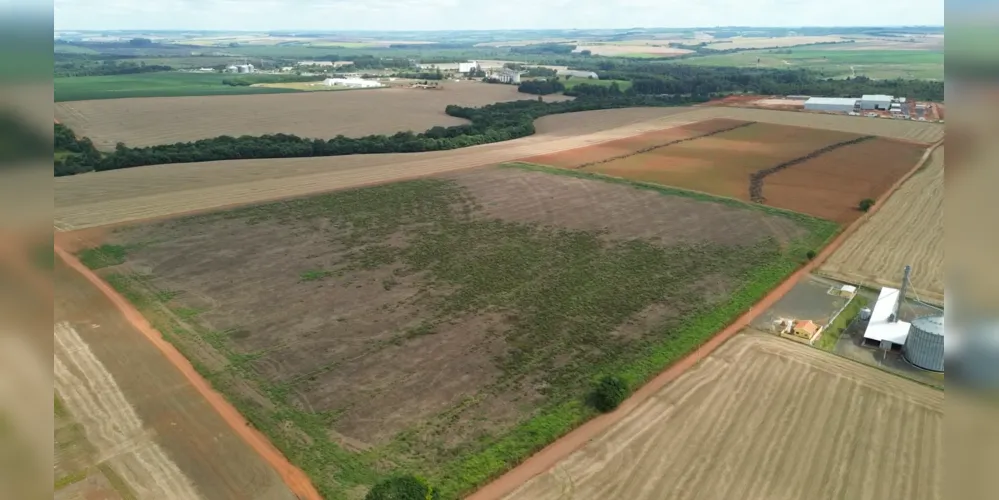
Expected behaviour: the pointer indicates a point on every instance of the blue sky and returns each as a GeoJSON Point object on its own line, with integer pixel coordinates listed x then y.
{"type": "Point", "coordinates": [484, 14]}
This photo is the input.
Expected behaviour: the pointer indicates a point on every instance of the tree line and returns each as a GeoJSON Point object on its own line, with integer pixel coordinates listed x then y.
{"type": "Point", "coordinates": [541, 87]}
{"type": "Point", "coordinates": [492, 123]}
{"type": "Point", "coordinates": [85, 67]}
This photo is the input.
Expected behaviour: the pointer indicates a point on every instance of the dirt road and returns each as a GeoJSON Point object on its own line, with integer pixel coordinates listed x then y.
{"type": "Point", "coordinates": [145, 409]}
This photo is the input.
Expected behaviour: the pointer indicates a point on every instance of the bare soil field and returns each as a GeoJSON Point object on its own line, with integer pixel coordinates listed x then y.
{"type": "Point", "coordinates": [166, 120]}
{"type": "Point", "coordinates": [719, 164]}
{"type": "Point", "coordinates": [154, 191]}
{"type": "Point", "coordinates": [612, 149]}
{"type": "Point", "coordinates": [450, 325]}
{"type": "Point", "coordinates": [908, 229]}
{"type": "Point", "coordinates": [128, 425]}
{"type": "Point", "coordinates": [831, 185]}
{"type": "Point", "coordinates": [774, 419]}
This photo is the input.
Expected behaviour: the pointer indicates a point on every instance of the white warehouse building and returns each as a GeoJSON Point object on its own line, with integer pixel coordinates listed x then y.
{"type": "Point", "coordinates": [352, 83]}
{"type": "Point", "coordinates": [832, 104]}
{"type": "Point", "coordinates": [876, 101]}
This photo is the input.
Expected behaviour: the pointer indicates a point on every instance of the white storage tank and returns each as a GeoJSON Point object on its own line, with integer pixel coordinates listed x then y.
{"type": "Point", "coordinates": [924, 347]}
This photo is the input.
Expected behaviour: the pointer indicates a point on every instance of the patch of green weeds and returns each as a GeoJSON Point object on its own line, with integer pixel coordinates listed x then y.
{"type": "Point", "coordinates": [314, 275]}
{"type": "Point", "coordinates": [103, 256]}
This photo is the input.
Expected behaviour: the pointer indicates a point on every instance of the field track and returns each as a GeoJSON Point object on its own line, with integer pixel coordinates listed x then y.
{"type": "Point", "coordinates": [125, 435]}
{"type": "Point", "coordinates": [907, 230]}
{"type": "Point", "coordinates": [134, 194]}
{"type": "Point", "coordinates": [766, 418]}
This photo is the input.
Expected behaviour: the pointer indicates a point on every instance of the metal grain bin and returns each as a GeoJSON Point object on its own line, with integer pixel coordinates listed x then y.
{"type": "Point", "coordinates": [924, 347]}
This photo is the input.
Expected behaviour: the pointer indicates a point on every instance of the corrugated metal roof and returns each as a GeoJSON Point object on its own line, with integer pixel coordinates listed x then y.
{"type": "Point", "coordinates": [878, 327]}
{"type": "Point", "coordinates": [876, 97]}
{"type": "Point", "coordinates": [837, 101]}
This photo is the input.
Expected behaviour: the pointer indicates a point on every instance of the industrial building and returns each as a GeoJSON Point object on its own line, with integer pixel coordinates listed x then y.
{"type": "Point", "coordinates": [832, 104]}
{"type": "Point", "coordinates": [468, 67]}
{"type": "Point", "coordinates": [506, 76]}
{"type": "Point", "coordinates": [876, 101]}
{"type": "Point", "coordinates": [240, 68]}
{"type": "Point", "coordinates": [924, 347]}
{"type": "Point", "coordinates": [355, 83]}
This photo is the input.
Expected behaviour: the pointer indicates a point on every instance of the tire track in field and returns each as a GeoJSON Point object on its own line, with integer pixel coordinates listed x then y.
{"type": "Point", "coordinates": [91, 394]}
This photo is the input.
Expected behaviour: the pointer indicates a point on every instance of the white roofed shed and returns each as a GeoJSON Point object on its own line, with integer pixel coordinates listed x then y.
{"type": "Point", "coordinates": [880, 327]}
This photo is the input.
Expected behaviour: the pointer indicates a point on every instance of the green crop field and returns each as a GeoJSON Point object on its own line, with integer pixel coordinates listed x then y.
{"type": "Point", "coordinates": [836, 63]}
{"type": "Point", "coordinates": [436, 327]}
{"type": "Point", "coordinates": [168, 84]}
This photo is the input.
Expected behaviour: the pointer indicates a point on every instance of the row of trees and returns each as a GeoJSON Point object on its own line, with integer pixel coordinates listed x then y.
{"type": "Point", "coordinates": [247, 80]}
{"type": "Point", "coordinates": [74, 155]}
{"type": "Point", "coordinates": [86, 67]}
{"type": "Point", "coordinates": [493, 123]}
{"type": "Point", "coordinates": [541, 87]}
{"type": "Point", "coordinates": [650, 78]}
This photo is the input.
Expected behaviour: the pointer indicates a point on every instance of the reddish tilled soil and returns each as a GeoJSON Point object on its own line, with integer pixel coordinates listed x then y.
{"type": "Point", "coordinates": [832, 185]}
{"type": "Point", "coordinates": [612, 149]}
{"type": "Point", "coordinates": [721, 164]}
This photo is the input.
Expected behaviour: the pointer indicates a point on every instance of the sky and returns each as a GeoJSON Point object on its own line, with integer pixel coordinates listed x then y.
{"type": "Point", "coordinates": [409, 15]}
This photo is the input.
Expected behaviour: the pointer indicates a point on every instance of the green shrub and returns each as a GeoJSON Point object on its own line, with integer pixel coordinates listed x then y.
{"type": "Point", "coordinates": [407, 487]}
{"type": "Point", "coordinates": [865, 204]}
{"type": "Point", "coordinates": [810, 254]}
{"type": "Point", "coordinates": [610, 392]}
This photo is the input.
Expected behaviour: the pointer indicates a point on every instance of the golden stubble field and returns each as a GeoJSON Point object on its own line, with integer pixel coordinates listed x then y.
{"type": "Point", "coordinates": [160, 190]}
{"type": "Point", "coordinates": [355, 113]}
{"type": "Point", "coordinates": [909, 229]}
{"type": "Point", "coordinates": [761, 419]}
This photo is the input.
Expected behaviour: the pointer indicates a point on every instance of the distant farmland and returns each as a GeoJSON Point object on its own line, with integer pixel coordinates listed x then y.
{"type": "Point", "coordinates": [153, 121]}
{"type": "Point", "coordinates": [168, 84]}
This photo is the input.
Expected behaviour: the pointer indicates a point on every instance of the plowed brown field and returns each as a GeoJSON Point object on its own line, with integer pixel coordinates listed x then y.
{"type": "Point", "coordinates": [764, 419]}
{"type": "Point", "coordinates": [908, 229]}
{"type": "Point", "coordinates": [160, 190]}
{"type": "Point", "coordinates": [166, 120]}
{"type": "Point", "coordinates": [831, 185]}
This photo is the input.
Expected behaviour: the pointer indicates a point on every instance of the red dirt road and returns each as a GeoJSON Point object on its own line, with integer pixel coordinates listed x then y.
{"type": "Point", "coordinates": [548, 457]}
{"type": "Point", "coordinates": [296, 480]}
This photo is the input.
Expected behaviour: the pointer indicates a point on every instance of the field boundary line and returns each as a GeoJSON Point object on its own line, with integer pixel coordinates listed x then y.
{"type": "Point", "coordinates": [756, 178]}
{"type": "Point", "coordinates": [551, 455]}
{"type": "Point", "coordinates": [294, 478]}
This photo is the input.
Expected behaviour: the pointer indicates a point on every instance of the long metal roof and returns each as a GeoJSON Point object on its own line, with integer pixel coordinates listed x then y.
{"type": "Point", "coordinates": [876, 97]}
{"type": "Point", "coordinates": [837, 101]}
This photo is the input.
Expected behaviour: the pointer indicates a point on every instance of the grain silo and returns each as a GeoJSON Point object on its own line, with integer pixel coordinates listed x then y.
{"type": "Point", "coordinates": [924, 347]}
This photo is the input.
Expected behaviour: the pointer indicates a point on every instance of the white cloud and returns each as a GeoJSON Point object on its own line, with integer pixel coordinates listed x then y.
{"type": "Point", "coordinates": [483, 14]}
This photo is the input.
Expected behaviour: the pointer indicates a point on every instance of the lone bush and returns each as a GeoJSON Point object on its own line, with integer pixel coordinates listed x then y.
{"type": "Point", "coordinates": [810, 254]}
{"type": "Point", "coordinates": [865, 204]}
{"type": "Point", "coordinates": [408, 487]}
{"type": "Point", "coordinates": [610, 392]}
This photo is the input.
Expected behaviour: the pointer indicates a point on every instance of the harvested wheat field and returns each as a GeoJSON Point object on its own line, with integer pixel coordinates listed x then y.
{"type": "Point", "coordinates": [908, 229]}
{"type": "Point", "coordinates": [761, 419]}
{"type": "Point", "coordinates": [117, 196]}
{"type": "Point", "coordinates": [355, 113]}
{"type": "Point", "coordinates": [450, 325]}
